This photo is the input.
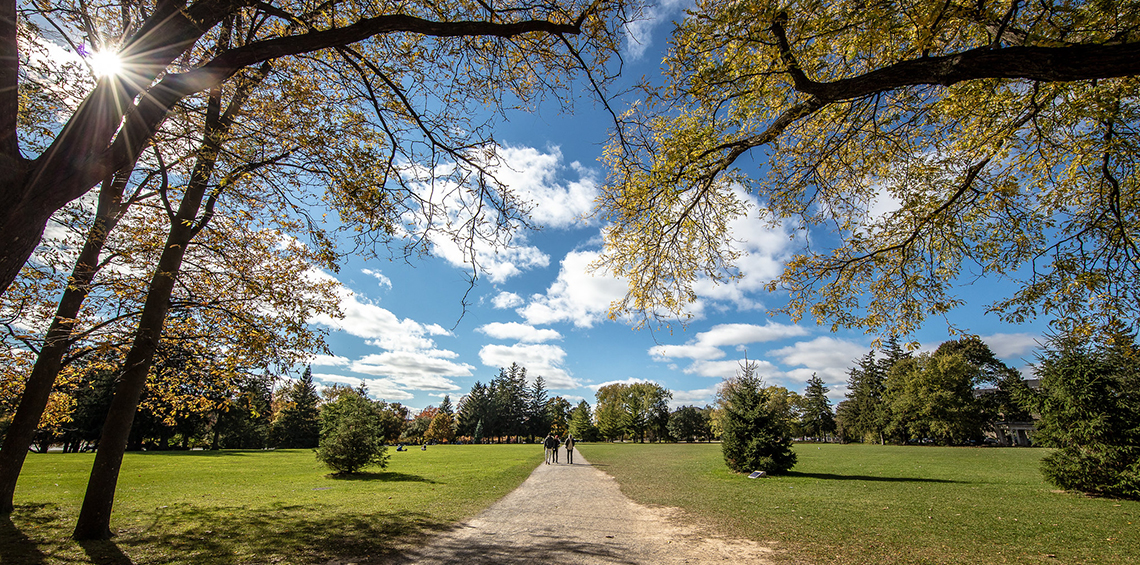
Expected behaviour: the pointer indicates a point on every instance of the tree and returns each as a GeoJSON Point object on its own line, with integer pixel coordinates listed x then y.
{"type": "Point", "coordinates": [816, 416]}
{"type": "Point", "coordinates": [441, 428]}
{"type": "Point", "coordinates": [755, 438]}
{"type": "Point", "coordinates": [162, 49]}
{"type": "Point", "coordinates": [297, 424]}
{"type": "Point", "coordinates": [929, 140]}
{"type": "Point", "coordinates": [557, 413]}
{"type": "Point", "coordinates": [864, 414]}
{"type": "Point", "coordinates": [1090, 412]}
{"type": "Point", "coordinates": [392, 420]}
{"type": "Point", "coordinates": [582, 423]}
{"type": "Point", "coordinates": [510, 401]}
{"type": "Point", "coordinates": [932, 396]}
{"type": "Point", "coordinates": [688, 423]}
{"type": "Point", "coordinates": [538, 419]}
{"type": "Point", "coordinates": [610, 410]}
{"type": "Point", "coordinates": [351, 435]}
{"type": "Point", "coordinates": [474, 410]}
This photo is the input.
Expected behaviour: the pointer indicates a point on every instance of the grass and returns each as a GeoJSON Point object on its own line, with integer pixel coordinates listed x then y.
{"type": "Point", "coordinates": [256, 507]}
{"type": "Point", "coordinates": [866, 504]}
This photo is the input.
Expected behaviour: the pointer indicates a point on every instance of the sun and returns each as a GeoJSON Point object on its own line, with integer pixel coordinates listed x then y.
{"type": "Point", "coordinates": [104, 63]}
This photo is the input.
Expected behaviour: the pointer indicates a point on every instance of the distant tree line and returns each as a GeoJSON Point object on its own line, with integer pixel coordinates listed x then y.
{"type": "Point", "coordinates": [953, 396]}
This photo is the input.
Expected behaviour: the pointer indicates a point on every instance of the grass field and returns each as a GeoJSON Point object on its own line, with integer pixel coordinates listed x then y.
{"type": "Point", "coordinates": [255, 507]}
{"type": "Point", "coordinates": [865, 504]}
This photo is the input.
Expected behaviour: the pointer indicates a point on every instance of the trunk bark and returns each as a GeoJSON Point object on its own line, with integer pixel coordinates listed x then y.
{"type": "Point", "coordinates": [58, 340]}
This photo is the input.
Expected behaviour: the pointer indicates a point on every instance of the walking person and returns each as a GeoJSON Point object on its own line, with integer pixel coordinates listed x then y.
{"type": "Point", "coordinates": [556, 443]}
{"type": "Point", "coordinates": [547, 445]}
{"type": "Point", "coordinates": [570, 449]}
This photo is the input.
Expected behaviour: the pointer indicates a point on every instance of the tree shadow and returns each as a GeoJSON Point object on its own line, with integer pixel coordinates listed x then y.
{"type": "Point", "coordinates": [104, 552]}
{"type": "Point", "coordinates": [538, 548]}
{"type": "Point", "coordinates": [15, 546]}
{"type": "Point", "coordinates": [191, 535]}
{"type": "Point", "coordinates": [283, 533]}
{"type": "Point", "coordinates": [834, 477]}
{"type": "Point", "coordinates": [385, 476]}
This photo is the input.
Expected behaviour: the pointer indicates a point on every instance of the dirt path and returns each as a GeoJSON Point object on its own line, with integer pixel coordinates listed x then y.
{"type": "Point", "coordinates": [575, 514]}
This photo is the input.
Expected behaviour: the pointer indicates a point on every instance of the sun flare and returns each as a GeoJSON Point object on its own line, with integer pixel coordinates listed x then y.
{"type": "Point", "coordinates": [104, 63]}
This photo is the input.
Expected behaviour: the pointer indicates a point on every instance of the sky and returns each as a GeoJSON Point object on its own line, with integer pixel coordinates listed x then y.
{"type": "Point", "coordinates": [408, 336]}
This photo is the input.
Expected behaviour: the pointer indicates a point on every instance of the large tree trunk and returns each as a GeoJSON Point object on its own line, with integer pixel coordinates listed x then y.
{"type": "Point", "coordinates": [95, 516]}
{"type": "Point", "coordinates": [58, 340]}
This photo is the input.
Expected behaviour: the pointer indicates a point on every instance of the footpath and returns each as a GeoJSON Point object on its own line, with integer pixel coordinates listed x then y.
{"type": "Point", "coordinates": [575, 514]}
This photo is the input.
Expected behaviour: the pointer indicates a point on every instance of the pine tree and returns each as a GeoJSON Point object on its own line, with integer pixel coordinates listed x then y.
{"type": "Point", "coordinates": [298, 424]}
{"type": "Point", "coordinates": [1090, 412]}
{"type": "Point", "coordinates": [537, 419]}
{"type": "Point", "coordinates": [817, 418]}
{"type": "Point", "coordinates": [754, 438]}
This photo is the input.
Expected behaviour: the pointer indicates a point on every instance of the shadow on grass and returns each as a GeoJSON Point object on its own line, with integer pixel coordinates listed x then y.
{"type": "Point", "coordinates": [15, 547]}
{"type": "Point", "coordinates": [104, 552]}
{"type": "Point", "coordinates": [385, 476]}
{"type": "Point", "coordinates": [192, 535]}
{"type": "Point", "coordinates": [538, 548]}
{"type": "Point", "coordinates": [834, 477]}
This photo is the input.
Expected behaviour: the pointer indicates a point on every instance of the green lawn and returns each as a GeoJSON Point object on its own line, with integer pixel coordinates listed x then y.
{"type": "Point", "coordinates": [255, 506]}
{"type": "Point", "coordinates": [865, 504]}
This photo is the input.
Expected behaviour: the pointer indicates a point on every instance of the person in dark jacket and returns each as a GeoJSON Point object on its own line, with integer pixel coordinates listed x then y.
{"type": "Point", "coordinates": [570, 449]}
{"type": "Point", "coordinates": [556, 443]}
{"type": "Point", "coordinates": [548, 446]}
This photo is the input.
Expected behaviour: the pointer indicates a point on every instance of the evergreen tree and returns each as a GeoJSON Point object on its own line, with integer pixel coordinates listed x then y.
{"type": "Point", "coordinates": [1090, 412]}
{"type": "Point", "coordinates": [510, 402]}
{"type": "Point", "coordinates": [351, 434]}
{"type": "Point", "coordinates": [754, 438]}
{"type": "Point", "coordinates": [445, 406]}
{"type": "Point", "coordinates": [474, 409]}
{"type": "Point", "coordinates": [538, 419]}
{"type": "Point", "coordinates": [816, 416]}
{"type": "Point", "coordinates": [582, 423]}
{"type": "Point", "coordinates": [246, 422]}
{"type": "Point", "coordinates": [298, 424]}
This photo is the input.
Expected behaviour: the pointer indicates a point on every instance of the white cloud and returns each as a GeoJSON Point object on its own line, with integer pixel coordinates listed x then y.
{"type": "Point", "coordinates": [328, 360]}
{"type": "Point", "coordinates": [577, 296]}
{"type": "Point", "coordinates": [519, 332]}
{"type": "Point", "coordinates": [497, 263]}
{"type": "Point", "coordinates": [411, 360]}
{"type": "Point", "coordinates": [420, 370]}
{"type": "Point", "coordinates": [505, 300]}
{"type": "Point", "coordinates": [696, 397]}
{"type": "Point", "coordinates": [729, 368]}
{"type": "Point", "coordinates": [379, 389]}
{"type": "Point", "coordinates": [534, 177]}
{"type": "Point", "coordinates": [764, 250]}
{"type": "Point", "coordinates": [381, 326]}
{"type": "Point", "coordinates": [1012, 346]}
{"type": "Point", "coordinates": [639, 32]}
{"type": "Point", "coordinates": [707, 345]}
{"type": "Point", "coordinates": [539, 359]}
{"type": "Point", "coordinates": [826, 356]}
{"type": "Point", "coordinates": [629, 381]}
{"type": "Point", "coordinates": [384, 281]}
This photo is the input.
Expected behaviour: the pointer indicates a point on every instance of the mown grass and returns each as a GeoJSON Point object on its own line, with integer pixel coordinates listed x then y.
{"type": "Point", "coordinates": [256, 507]}
{"type": "Point", "coordinates": [866, 504]}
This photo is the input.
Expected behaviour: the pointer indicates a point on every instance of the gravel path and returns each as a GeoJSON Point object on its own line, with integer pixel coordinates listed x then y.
{"type": "Point", "coordinates": [575, 514]}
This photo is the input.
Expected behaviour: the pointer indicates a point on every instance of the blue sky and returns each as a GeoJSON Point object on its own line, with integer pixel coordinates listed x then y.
{"type": "Point", "coordinates": [406, 335]}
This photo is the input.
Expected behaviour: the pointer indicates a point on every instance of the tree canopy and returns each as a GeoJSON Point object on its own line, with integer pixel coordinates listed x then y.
{"type": "Point", "coordinates": [916, 145]}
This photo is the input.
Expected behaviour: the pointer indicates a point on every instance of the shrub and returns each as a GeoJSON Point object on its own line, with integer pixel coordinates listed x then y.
{"type": "Point", "coordinates": [755, 438]}
{"type": "Point", "coordinates": [352, 435]}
